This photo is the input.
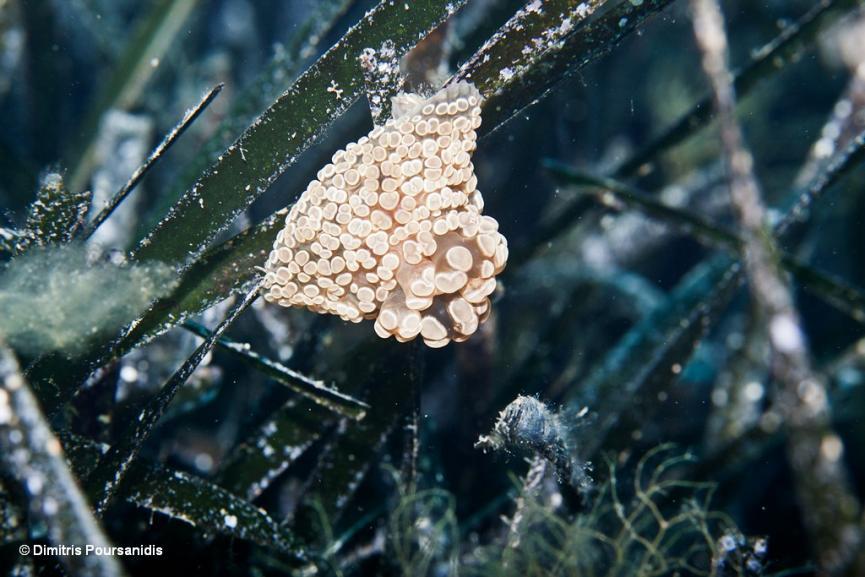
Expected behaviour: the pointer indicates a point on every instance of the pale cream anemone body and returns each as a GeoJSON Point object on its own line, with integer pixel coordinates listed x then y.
{"type": "Point", "coordinates": [393, 229]}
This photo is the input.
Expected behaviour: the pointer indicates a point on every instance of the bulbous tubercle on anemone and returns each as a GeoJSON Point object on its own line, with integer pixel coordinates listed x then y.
{"type": "Point", "coordinates": [393, 229]}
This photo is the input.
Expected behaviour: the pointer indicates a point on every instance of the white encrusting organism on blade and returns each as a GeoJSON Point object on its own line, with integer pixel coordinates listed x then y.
{"type": "Point", "coordinates": [393, 229]}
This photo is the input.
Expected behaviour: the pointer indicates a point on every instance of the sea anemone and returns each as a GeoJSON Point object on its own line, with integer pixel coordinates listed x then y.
{"type": "Point", "coordinates": [393, 229]}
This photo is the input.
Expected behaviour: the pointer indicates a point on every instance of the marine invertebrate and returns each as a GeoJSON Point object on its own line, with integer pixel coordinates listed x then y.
{"type": "Point", "coordinates": [393, 229]}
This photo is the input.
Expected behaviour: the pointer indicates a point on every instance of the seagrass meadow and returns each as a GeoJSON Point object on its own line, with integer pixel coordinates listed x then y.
{"type": "Point", "coordinates": [491, 288]}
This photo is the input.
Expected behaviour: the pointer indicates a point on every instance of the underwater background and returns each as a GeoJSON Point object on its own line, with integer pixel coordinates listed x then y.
{"type": "Point", "coordinates": [671, 380]}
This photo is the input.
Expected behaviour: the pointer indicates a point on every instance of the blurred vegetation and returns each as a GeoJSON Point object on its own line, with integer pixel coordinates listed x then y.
{"type": "Point", "coordinates": [630, 407]}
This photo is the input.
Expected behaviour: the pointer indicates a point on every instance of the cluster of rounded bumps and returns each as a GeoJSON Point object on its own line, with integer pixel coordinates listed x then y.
{"type": "Point", "coordinates": [392, 230]}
